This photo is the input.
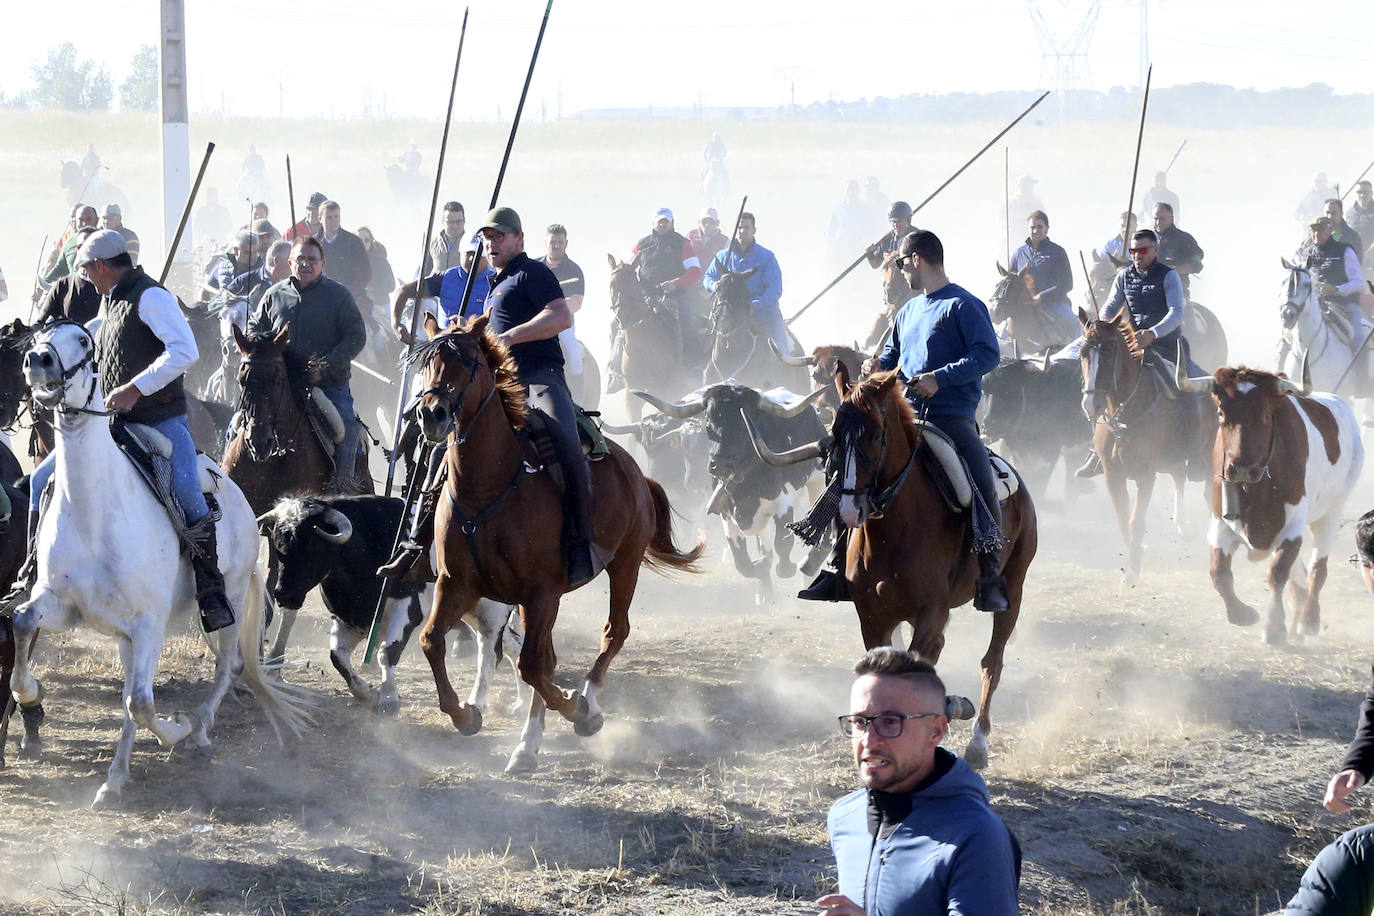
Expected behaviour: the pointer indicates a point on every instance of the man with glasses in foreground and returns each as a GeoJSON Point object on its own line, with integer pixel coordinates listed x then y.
{"type": "Point", "coordinates": [1340, 877]}
{"type": "Point", "coordinates": [920, 836]}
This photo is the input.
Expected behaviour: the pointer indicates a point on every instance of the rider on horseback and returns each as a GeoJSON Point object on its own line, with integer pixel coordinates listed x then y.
{"type": "Point", "coordinates": [448, 286]}
{"type": "Point", "coordinates": [1051, 272]}
{"type": "Point", "coordinates": [528, 310]}
{"type": "Point", "coordinates": [1337, 267]}
{"type": "Point", "coordinates": [328, 330]}
{"type": "Point", "coordinates": [944, 344]}
{"type": "Point", "coordinates": [1152, 292]}
{"type": "Point", "coordinates": [1177, 248]}
{"type": "Point", "coordinates": [899, 217]}
{"type": "Point", "coordinates": [667, 265]}
{"type": "Point", "coordinates": [765, 281]}
{"type": "Point", "coordinates": [143, 346]}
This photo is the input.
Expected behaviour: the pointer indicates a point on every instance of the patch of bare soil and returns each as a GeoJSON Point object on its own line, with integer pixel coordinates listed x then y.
{"type": "Point", "coordinates": [1150, 758]}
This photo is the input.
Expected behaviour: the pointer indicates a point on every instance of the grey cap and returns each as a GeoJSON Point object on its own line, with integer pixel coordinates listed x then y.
{"type": "Point", "coordinates": [112, 210]}
{"type": "Point", "coordinates": [104, 245]}
{"type": "Point", "coordinates": [264, 227]}
{"type": "Point", "coordinates": [315, 200]}
{"type": "Point", "coordinates": [502, 219]}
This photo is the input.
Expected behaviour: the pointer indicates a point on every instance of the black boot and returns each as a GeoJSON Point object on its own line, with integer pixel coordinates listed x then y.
{"type": "Point", "coordinates": [830, 584]}
{"type": "Point", "coordinates": [215, 613]}
{"type": "Point", "coordinates": [585, 559]}
{"type": "Point", "coordinates": [26, 577]}
{"type": "Point", "coordinates": [414, 547]}
{"type": "Point", "coordinates": [991, 594]}
{"type": "Point", "coordinates": [1090, 468]}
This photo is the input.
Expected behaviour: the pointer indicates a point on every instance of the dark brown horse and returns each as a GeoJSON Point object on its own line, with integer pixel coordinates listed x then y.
{"type": "Point", "coordinates": [275, 451]}
{"type": "Point", "coordinates": [1023, 321]}
{"type": "Point", "coordinates": [652, 357]}
{"type": "Point", "coordinates": [497, 528]}
{"type": "Point", "coordinates": [896, 293]}
{"type": "Point", "coordinates": [13, 547]}
{"type": "Point", "coordinates": [1142, 427]}
{"type": "Point", "coordinates": [739, 348]}
{"type": "Point", "coordinates": [910, 557]}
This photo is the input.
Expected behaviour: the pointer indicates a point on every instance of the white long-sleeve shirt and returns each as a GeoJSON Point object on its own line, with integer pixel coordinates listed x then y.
{"type": "Point", "coordinates": [158, 310]}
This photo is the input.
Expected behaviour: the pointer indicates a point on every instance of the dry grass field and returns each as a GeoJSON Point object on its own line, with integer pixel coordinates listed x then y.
{"type": "Point", "coordinates": [1150, 758]}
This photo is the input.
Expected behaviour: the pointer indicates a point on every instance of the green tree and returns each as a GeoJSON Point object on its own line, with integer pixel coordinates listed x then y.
{"type": "Point", "coordinates": [140, 90]}
{"type": "Point", "coordinates": [64, 81]}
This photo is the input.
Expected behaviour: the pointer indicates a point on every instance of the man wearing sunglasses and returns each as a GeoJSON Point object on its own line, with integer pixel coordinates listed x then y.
{"type": "Point", "coordinates": [920, 836]}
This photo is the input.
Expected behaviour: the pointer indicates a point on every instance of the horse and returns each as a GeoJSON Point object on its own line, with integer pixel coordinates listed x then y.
{"type": "Point", "coordinates": [97, 192]}
{"type": "Point", "coordinates": [1206, 336]}
{"type": "Point", "coordinates": [909, 557]}
{"type": "Point", "coordinates": [134, 586]}
{"type": "Point", "coordinates": [496, 530]}
{"type": "Point", "coordinates": [896, 293]}
{"type": "Point", "coordinates": [1141, 428]}
{"type": "Point", "coordinates": [1308, 339]}
{"type": "Point", "coordinates": [13, 548]}
{"type": "Point", "coordinates": [822, 363]}
{"type": "Point", "coordinates": [739, 350]}
{"type": "Point", "coordinates": [275, 450]}
{"type": "Point", "coordinates": [1023, 322]}
{"type": "Point", "coordinates": [652, 356]}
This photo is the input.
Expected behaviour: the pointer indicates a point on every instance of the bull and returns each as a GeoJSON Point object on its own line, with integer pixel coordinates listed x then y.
{"type": "Point", "coordinates": [748, 493]}
{"type": "Point", "coordinates": [337, 543]}
{"type": "Point", "coordinates": [1283, 462]}
{"type": "Point", "coordinates": [822, 362]}
{"type": "Point", "coordinates": [675, 449]}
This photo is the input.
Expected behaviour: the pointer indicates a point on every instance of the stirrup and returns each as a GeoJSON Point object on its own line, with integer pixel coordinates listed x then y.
{"type": "Point", "coordinates": [1090, 468]}
{"type": "Point", "coordinates": [408, 553]}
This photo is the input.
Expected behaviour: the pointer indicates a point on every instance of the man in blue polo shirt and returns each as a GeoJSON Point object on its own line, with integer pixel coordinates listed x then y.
{"type": "Point", "coordinates": [944, 344]}
{"type": "Point", "coordinates": [447, 286]}
{"type": "Point", "coordinates": [765, 286]}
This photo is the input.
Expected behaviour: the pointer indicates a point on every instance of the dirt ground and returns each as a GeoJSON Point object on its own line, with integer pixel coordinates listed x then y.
{"type": "Point", "coordinates": [1150, 758]}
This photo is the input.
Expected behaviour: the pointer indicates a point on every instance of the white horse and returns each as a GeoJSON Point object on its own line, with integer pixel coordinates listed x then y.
{"type": "Point", "coordinates": [1307, 334]}
{"type": "Point", "coordinates": [109, 559]}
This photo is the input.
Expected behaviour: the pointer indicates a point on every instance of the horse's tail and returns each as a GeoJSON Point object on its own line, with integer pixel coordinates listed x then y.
{"type": "Point", "coordinates": [287, 707]}
{"type": "Point", "coordinates": [662, 555]}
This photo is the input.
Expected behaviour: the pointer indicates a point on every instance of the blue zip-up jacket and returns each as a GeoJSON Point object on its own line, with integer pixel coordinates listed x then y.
{"type": "Point", "coordinates": [448, 286]}
{"type": "Point", "coordinates": [765, 286]}
{"type": "Point", "coordinates": [951, 855]}
{"type": "Point", "coordinates": [947, 332]}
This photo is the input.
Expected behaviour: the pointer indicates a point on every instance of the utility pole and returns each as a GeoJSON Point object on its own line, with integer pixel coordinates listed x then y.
{"type": "Point", "coordinates": [176, 138]}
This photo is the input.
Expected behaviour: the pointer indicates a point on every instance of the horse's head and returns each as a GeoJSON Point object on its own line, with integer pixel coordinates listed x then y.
{"type": "Point", "coordinates": [731, 305]}
{"type": "Point", "coordinates": [628, 299]}
{"type": "Point", "coordinates": [1111, 358]}
{"type": "Point", "coordinates": [58, 366]}
{"type": "Point", "coordinates": [14, 343]}
{"type": "Point", "coordinates": [265, 384]}
{"type": "Point", "coordinates": [464, 368]}
{"type": "Point", "coordinates": [1012, 295]}
{"type": "Point", "coordinates": [869, 412]}
{"type": "Point", "coordinates": [1299, 291]}
{"type": "Point", "coordinates": [822, 363]}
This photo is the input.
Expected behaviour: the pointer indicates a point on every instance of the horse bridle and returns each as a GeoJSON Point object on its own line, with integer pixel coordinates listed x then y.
{"type": "Point", "coordinates": [248, 407]}
{"type": "Point", "coordinates": [68, 373]}
{"type": "Point", "coordinates": [850, 423]}
{"type": "Point", "coordinates": [445, 394]}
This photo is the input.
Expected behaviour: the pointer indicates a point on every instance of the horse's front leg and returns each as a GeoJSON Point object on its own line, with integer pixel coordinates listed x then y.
{"type": "Point", "coordinates": [1114, 477]}
{"type": "Point", "coordinates": [452, 601]}
{"type": "Point", "coordinates": [287, 614]}
{"type": "Point", "coordinates": [525, 757]}
{"type": "Point", "coordinates": [138, 653]}
{"type": "Point", "coordinates": [1280, 567]}
{"type": "Point", "coordinates": [499, 632]}
{"type": "Point", "coordinates": [1140, 506]}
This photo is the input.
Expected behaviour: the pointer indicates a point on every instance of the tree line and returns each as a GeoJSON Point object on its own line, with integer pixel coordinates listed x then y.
{"type": "Point", "coordinates": [64, 80]}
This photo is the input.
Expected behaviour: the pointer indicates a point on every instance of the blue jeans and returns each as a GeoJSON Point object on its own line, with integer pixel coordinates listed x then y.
{"type": "Point", "coordinates": [346, 455]}
{"type": "Point", "coordinates": [185, 471]}
{"type": "Point", "coordinates": [768, 320]}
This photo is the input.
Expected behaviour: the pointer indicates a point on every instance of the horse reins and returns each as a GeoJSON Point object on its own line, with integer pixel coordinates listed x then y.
{"type": "Point", "coordinates": [248, 407]}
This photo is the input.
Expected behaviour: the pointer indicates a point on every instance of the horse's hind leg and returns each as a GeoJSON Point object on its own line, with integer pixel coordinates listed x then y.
{"type": "Point", "coordinates": [1144, 489]}
{"type": "Point", "coordinates": [976, 753]}
{"type": "Point", "coordinates": [538, 660]}
{"type": "Point", "coordinates": [498, 632]}
{"type": "Point", "coordinates": [624, 576]}
{"type": "Point", "coordinates": [7, 704]}
{"type": "Point", "coordinates": [525, 757]}
{"type": "Point", "coordinates": [228, 666]}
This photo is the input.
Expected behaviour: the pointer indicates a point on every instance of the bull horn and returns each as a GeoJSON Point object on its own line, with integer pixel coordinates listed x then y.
{"type": "Point", "coordinates": [779, 459]}
{"type": "Point", "coordinates": [343, 528]}
{"type": "Point", "coordinates": [688, 408]}
{"type": "Point", "coordinates": [620, 430]}
{"type": "Point", "coordinates": [787, 412]}
{"type": "Point", "coordinates": [794, 361]}
{"type": "Point", "coordinates": [1288, 386]}
{"type": "Point", "coordinates": [265, 521]}
{"type": "Point", "coordinates": [1204, 385]}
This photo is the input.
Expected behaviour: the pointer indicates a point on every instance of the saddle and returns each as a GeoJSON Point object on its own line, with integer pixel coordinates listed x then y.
{"type": "Point", "coordinates": [150, 452]}
{"type": "Point", "coordinates": [941, 460]}
{"type": "Point", "coordinates": [540, 439]}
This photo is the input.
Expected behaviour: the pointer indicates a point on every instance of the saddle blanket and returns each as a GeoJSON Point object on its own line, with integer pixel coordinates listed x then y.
{"type": "Point", "coordinates": [948, 456]}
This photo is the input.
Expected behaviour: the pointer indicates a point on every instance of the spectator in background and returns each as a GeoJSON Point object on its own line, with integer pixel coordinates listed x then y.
{"type": "Point", "coordinates": [212, 219]}
{"type": "Point", "coordinates": [707, 238]}
{"type": "Point", "coordinates": [1024, 203]}
{"type": "Point", "coordinates": [1341, 230]}
{"type": "Point", "coordinates": [852, 225]}
{"type": "Point", "coordinates": [114, 219]}
{"type": "Point", "coordinates": [446, 248]}
{"type": "Point", "coordinates": [86, 219]}
{"type": "Point", "coordinates": [574, 285]}
{"type": "Point", "coordinates": [311, 224]}
{"type": "Point", "coordinates": [1312, 204]}
{"type": "Point", "coordinates": [383, 282]}
{"type": "Point", "coordinates": [874, 198]}
{"type": "Point", "coordinates": [1361, 215]}
{"type": "Point", "coordinates": [344, 254]}
{"type": "Point", "coordinates": [1160, 193]}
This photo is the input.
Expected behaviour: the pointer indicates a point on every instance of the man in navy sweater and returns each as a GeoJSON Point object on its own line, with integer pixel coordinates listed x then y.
{"type": "Point", "coordinates": [919, 837]}
{"type": "Point", "coordinates": [944, 344]}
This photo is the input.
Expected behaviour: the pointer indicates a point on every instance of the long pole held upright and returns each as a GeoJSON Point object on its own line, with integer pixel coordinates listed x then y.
{"type": "Point", "coordinates": [917, 209]}
{"type": "Point", "coordinates": [186, 214]}
{"type": "Point", "coordinates": [424, 253]}
{"type": "Point", "coordinates": [290, 194]}
{"type": "Point", "coordinates": [1356, 182]}
{"type": "Point", "coordinates": [1088, 279]}
{"type": "Point", "coordinates": [1006, 197]}
{"type": "Point", "coordinates": [1135, 168]}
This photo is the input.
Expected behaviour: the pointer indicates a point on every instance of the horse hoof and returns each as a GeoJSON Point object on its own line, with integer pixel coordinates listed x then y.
{"type": "Point", "coordinates": [522, 763]}
{"type": "Point", "coordinates": [589, 726]}
{"type": "Point", "coordinates": [475, 725]}
{"type": "Point", "coordinates": [389, 706]}
{"type": "Point", "coordinates": [31, 748]}
{"type": "Point", "coordinates": [1242, 616]}
{"type": "Point", "coordinates": [958, 707]}
{"type": "Point", "coordinates": [1309, 628]}
{"type": "Point", "coordinates": [976, 757]}
{"type": "Point", "coordinates": [1130, 578]}
{"type": "Point", "coordinates": [205, 752]}
{"type": "Point", "coordinates": [786, 570]}
{"type": "Point", "coordinates": [106, 799]}
{"type": "Point", "coordinates": [1275, 636]}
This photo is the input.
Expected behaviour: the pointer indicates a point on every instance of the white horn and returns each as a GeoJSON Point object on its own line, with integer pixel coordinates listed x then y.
{"type": "Point", "coordinates": [1204, 385]}
{"type": "Point", "coordinates": [343, 528]}
{"type": "Point", "coordinates": [688, 408]}
{"type": "Point", "coordinates": [785, 411]}
{"type": "Point", "coordinates": [1288, 386]}
{"type": "Point", "coordinates": [795, 361]}
{"type": "Point", "coordinates": [779, 459]}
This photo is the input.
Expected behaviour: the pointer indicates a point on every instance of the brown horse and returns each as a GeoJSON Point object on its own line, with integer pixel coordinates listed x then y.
{"type": "Point", "coordinates": [652, 357]}
{"type": "Point", "coordinates": [275, 451]}
{"type": "Point", "coordinates": [1142, 427]}
{"type": "Point", "coordinates": [1023, 321]}
{"type": "Point", "coordinates": [822, 363]}
{"type": "Point", "coordinates": [497, 533]}
{"type": "Point", "coordinates": [910, 557]}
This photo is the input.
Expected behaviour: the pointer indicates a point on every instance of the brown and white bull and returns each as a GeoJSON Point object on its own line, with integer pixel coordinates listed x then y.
{"type": "Point", "coordinates": [1284, 461]}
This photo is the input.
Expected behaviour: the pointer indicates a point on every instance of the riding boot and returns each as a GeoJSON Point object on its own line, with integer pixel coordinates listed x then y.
{"type": "Point", "coordinates": [215, 613]}
{"type": "Point", "coordinates": [991, 593]}
{"type": "Point", "coordinates": [28, 573]}
{"type": "Point", "coordinates": [830, 583]}
{"type": "Point", "coordinates": [420, 534]}
{"type": "Point", "coordinates": [1090, 468]}
{"type": "Point", "coordinates": [614, 380]}
{"type": "Point", "coordinates": [585, 558]}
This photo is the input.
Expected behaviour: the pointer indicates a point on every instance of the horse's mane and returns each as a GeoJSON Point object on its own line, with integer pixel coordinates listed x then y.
{"type": "Point", "coordinates": [1127, 332]}
{"type": "Point", "coordinates": [297, 368]}
{"type": "Point", "coordinates": [498, 359]}
{"type": "Point", "coordinates": [870, 395]}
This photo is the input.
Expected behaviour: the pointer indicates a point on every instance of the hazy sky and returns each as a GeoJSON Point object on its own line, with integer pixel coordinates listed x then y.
{"type": "Point", "coordinates": [339, 56]}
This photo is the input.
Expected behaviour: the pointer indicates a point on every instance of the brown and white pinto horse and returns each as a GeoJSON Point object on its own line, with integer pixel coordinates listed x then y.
{"type": "Point", "coordinates": [497, 530]}
{"type": "Point", "coordinates": [1141, 428]}
{"type": "Point", "coordinates": [909, 557]}
{"type": "Point", "coordinates": [1284, 462]}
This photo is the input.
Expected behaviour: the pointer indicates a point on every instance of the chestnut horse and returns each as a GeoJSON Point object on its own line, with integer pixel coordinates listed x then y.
{"type": "Point", "coordinates": [275, 451]}
{"type": "Point", "coordinates": [1024, 322]}
{"type": "Point", "coordinates": [497, 530]}
{"type": "Point", "coordinates": [910, 557]}
{"type": "Point", "coordinates": [1141, 428]}
{"type": "Point", "coordinates": [652, 357]}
